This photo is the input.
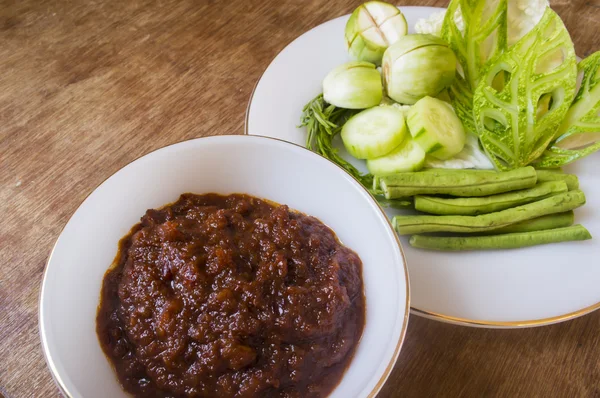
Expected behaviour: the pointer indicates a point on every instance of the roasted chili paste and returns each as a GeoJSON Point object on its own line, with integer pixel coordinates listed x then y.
{"type": "Point", "coordinates": [231, 296]}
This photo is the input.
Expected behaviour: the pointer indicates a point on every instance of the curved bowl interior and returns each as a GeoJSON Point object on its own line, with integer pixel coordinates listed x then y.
{"type": "Point", "coordinates": [258, 166]}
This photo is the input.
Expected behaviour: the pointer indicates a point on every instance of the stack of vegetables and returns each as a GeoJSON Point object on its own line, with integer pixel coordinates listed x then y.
{"type": "Point", "coordinates": [493, 210]}
{"type": "Point", "coordinates": [486, 99]}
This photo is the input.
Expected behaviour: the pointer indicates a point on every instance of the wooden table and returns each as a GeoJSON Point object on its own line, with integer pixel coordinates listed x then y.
{"type": "Point", "coordinates": [88, 86]}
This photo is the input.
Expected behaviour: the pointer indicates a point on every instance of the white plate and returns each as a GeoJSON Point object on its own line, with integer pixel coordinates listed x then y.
{"type": "Point", "coordinates": [512, 288]}
{"type": "Point", "coordinates": [257, 166]}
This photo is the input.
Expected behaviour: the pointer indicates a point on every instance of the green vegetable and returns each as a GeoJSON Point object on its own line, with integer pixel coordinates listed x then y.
{"type": "Point", "coordinates": [570, 179]}
{"type": "Point", "coordinates": [472, 156]}
{"type": "Point", "coordinates": [407, 225]}
{"type": "Point", "coordinates": [417, 66]}
{"type": "Point", "coordinates": [579, 134]}
{"type": "Point", "coordinates": [323, 122]}
{"type": "Point", "coordinates": [372, 27]}
{"type": "Point", "coordinates": [457, 182]}
{"type": "Point", "coordinates": [549, 221]}
{"type": "Point", "coordinates": [505, 102]}
{"type": "Point", "coordinates": [557, 170]}
{"type": "Point", "coordinates": [483, 37]}
{"type": "Point", "coordinates": [374, 132]}
{"type": "Point", "coordinates": [505, 241]}
{"type": "Point", "coordinates": [436, 128]}
{"type": "Point", "coordinates": [354, 85]}
{"type": "Point", "coordinates": [387, 101]}
{"type": "Point", "coordinates": [408, 156]}
{"type": "Point", "coordinates": [488, 204]}
{"type": "Point", "coordinates": [402, 203]}
{"type": "Point", "coordinates": [523, 15]}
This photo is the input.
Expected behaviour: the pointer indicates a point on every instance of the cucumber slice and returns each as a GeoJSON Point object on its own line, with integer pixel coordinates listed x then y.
{"type": "Point", "coordinates": [436, 128]}
{"type": "Point", "coordinates": [408, 156]}
{"type": "Point", "coordinates": [374, 132]}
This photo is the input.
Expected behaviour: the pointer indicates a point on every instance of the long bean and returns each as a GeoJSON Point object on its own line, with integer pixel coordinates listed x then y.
{"type": "Point", "coordinates": [557, 175]}
{"type": "Point", "coordinates": [457, 182]}
{"type": "Point", "coordinates": [549, 221]}
{"type": "Point", "coordinates": [400, 203]}
{"type": "Point", "coordinates": [488, 204]}
{"type": "Point", "coordinates": [505, 241]}
{"type": "Point", "coordinates": [408, 225]}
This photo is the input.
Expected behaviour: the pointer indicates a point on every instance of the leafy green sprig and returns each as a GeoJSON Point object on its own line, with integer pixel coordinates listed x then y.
{"type": "Point", "coordinates": [323, 122]}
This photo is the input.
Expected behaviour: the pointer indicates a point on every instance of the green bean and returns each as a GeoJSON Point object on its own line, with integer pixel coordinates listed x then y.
{"type": "Point", "coordinates": [457, 182]}
{"type": "Point", "coordinates": [400, 203]}
{"type": "Point", "coordinates": [505, 241]}
{"type": "Point", "coordinates": [549, 221]}
{"type": "Point", "coordinates": [408, 225]}
{"type": "Point", "coordinates": [488, 204]}
{"type": "Point", "coordinates": [555, 175]}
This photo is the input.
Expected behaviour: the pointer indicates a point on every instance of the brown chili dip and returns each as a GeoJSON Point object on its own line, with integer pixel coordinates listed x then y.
{"type": "Point", "coordinates": [231, 296]}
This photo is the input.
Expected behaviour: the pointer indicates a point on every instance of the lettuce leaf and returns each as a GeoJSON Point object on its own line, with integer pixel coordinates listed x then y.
{"type": "Point", "coordinates": [524, 94]}
{"type": "Point", "coordinates": [579, 134]}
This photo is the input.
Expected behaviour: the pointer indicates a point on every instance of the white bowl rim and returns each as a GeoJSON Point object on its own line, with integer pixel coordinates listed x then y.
{"type": "Point", "coordinates": [59, 382]}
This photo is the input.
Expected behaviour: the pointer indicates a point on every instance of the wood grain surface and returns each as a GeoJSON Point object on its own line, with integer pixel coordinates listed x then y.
{"type": "Point", "coordinates": [88, 86]}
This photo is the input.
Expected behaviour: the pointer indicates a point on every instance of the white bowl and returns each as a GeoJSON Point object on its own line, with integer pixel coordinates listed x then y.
{"type": "Point", "coordinates": [259, 166]}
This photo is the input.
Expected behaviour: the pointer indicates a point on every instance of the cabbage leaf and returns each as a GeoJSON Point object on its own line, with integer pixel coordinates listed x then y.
{"type": "Point", "coordinates": [523, 15]}
{"type": "Point", "coordinates": [472, 156]}
{"type": "Point", "coordinates": [524, 94]}
{"type": "Point", "coordinates": [579, 134]}
{"type": "Point", "coordinates": [476, 32]}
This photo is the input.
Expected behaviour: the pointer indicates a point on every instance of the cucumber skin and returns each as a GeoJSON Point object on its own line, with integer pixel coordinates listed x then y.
{"type": "Point", "coordinates": [430, 141]}
{"type": "Point", "coordinates": [504, 241]}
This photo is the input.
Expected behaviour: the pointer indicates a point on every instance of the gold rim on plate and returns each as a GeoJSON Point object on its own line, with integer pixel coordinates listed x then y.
{"type": "Point", "coordinates": [53, 371]}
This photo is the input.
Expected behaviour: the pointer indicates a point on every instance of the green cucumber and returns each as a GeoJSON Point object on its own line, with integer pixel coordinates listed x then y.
{"type": "Point", "coordinates": [436, 128]}
{"type": "Point", "coordinates": [408, 156]}
{"type": "Point", "coordinates": [374, 132]}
